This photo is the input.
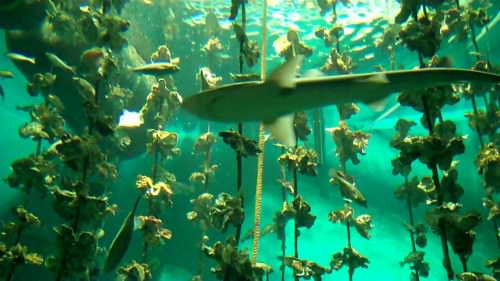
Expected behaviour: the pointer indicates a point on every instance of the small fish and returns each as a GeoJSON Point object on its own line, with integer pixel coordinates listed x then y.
{"type": "Point", "coordinates": [182, 188]}
{"type": "Point", "coordinates": [92, 54]}
{"type": "Point", "coordinates": [121, 241]}
{"type": "Point", "coordinates": [349, 190]}
{"type": "Point", "coordinates": [55, 101]}
{"type": "Point", "coordinates": [20, 58]}
{"type": "Point", "coordinates": [59, 63]}
{"type": "Point", "coordinates": [160, 68]}
{"type": "Point", "coordinates": [245, 77]}
{"type": "Point", "coordinates": [6, 74]}
{"type": "Point", "coordinates": [85, 88]}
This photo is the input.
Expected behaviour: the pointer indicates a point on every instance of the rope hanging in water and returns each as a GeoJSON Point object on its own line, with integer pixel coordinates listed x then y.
{"type": "Point", "coordinates": [260, 159]}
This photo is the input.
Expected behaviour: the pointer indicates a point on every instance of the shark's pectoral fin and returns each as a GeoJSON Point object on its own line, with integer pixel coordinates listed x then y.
{"type": "Point", "coordinates": [384, 115]}
{"type": "Point", "coordinates": [281, 130]}
{"type": "Point", "coordinates": [377, 105]}
{"type": "Point", "coordinates": [284, 75]}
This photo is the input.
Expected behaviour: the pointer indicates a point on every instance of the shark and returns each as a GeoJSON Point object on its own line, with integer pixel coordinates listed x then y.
{"type": "Point", "coordinates": [274, 100]}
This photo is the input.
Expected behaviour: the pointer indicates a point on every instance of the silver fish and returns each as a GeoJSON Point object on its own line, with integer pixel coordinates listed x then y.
{"type": "Point", "coordinates": [20, 58]}
{"type": "Point", "coordinates": [59, 63]}
{"type": "Point", "coordinates": [6, 74]}
{"type": "Point", "coordinates": [85, 88]}
{"type": "Point", "coordinates": [160, 68]}
{"type": "Point", "coordinates": [349, 190]}
{"type": "Point", "coordinates": [282, 94]}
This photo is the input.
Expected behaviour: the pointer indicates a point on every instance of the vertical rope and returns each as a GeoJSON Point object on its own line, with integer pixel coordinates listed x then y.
{"type": "Point", "coordinates": [258, 196]}
{"type": "Point", "coordinates": [260, 160]}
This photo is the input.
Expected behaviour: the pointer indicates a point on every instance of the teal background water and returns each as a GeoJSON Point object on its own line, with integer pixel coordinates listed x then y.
{"type": "Point", "coordinates": [390, 241]}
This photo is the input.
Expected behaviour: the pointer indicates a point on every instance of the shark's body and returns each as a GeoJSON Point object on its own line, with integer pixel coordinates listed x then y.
{"type": "Point", "coordinates": [282, 94]}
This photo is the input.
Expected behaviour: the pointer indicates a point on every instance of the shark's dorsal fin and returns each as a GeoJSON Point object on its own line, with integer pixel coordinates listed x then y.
{"type": "Point", "coordinates": [284, 75]}
{"type": "Point", "coordinates": [281, 130]}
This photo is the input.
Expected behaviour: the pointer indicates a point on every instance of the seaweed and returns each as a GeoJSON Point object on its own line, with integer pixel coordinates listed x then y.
{"type": "Point", "coordinates": [494, 264]}
{"type": "Point", "coordinates": [154, 233]}
{"type": "Point", "coordinates": [345, 216]}
{"type": "Point", "coordinates": [80, 252]}
{"type": "Point", "coordinates": [348, 143]}
{"type": "Point", "coordinates": [347, 110]}
{"type": "Point", "coordinates": [306, 269]}
{"type": "Point", "coordinates": [77, 168]}
{"type": "Point", "coordinates": [416, 260]}
{"type": "Point", "coordinates": [14, 256]}
{"type": "Point", "coordinates": [422, 35]}
{"type": "Point", "coordinates": [249, 48]}
{"type": "Point", "coordinates": [485, 121]}
{"type": "Point", "coordinates": [241, 145]}
{"type": "Point", "coordinates": [300, 126]}
{"type": "Point", "coordinates": [430, 150]}
{"type": "Point", "coordinates": [135, 271]}
{"type": "Point", "coordinates": [201, 210]}
{"type": "Point", "coordinates": [465, 276]}
{"type": "Point", "coordinates": [233, 265]}
{"type": "Point", "coordinates": [204, 146]}
{"type": "Point", "coordinates": [412, 190]}
{"type": "Point", "coordinates": [458, 229]}
{"type": "Point", "coordinates": [340, 62]}
{"type": "Point", "coordinates": [68, 205]}
{"type": "Point", "coordinates": [225, 210]}
{"type": "Point", "coordinates": [291, 45]}
{"type": "Point", "coordinates": [164, 142]}
{"type": "Point", "coordinates": [161, 104]}
{"type": "Point", "coordinates": [349, 257]}
{"type": "Point", "coordinates": [488, 163]}
{"type": "Point", "coordinates": [329, 36]}
{"type": "Point", "coordinates": [12, 253]}
{"type": "Point", "coordinates": [33, 172]}
{"type": "Point", "coordinates": [303, 217]}
{"type": "Point", "coordinates": [300, 158]}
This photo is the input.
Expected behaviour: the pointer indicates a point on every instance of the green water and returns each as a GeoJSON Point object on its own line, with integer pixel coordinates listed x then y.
{"type": "Point", "coordinates": [180, 25]}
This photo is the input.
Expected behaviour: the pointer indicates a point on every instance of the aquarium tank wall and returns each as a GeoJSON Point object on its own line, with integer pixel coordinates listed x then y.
{"type": "Point", "coordinates": [250, 140]}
